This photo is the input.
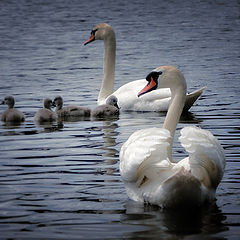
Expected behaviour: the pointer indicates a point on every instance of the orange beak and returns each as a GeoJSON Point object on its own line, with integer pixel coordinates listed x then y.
{"type": "Point", "coordinates": [91, 39]}
{"type": "Point", "coordinates": [148, 88]}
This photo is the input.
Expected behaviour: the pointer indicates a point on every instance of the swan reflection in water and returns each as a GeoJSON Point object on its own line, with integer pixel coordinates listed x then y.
{"type": "Point", "coordinates": [161, 222]}
{"type": "Point", "coordinates": [108, 145]}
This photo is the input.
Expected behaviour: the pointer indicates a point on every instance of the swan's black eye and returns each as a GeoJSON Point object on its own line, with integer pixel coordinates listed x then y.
{"type": "Point", "coordinates": [154, 75]}
{"type": "Point", "coordinates": [94, 31]}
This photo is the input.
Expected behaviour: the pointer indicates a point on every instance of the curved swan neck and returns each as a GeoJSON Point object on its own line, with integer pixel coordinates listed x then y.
{"type": "Point", "coordinates": [174, 114]}
{"type": "Point", "coordinates": [108, 67]}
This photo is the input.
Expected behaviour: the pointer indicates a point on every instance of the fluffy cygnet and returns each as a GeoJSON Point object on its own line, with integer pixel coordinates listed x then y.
{"type": "Point", "coordinates": [70, 111]}
{"type": "Point", "coordinates": [45, 114]}
{"type": "Point", "coordinates": [110, 109]}
{"type": "Point", "coordinates": [11, 114]}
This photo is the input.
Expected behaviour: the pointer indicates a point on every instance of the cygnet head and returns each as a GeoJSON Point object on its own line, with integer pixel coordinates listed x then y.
{"type": "Point", "coordinates": [9, 100]}
{"type": "Point", "coordinates": [112, 100]}
{"type": "Point", "coordinates": [101, 31]}
{"type": "Point", "coordinates": [47, 103]}
{"type": "Point", "coordinates": [58, 102]}
{"type": "Point", "coordinates": [164, 77]}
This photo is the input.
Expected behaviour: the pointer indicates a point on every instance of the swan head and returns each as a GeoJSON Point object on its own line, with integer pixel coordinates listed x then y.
{"type": "Point", "coordinates": [164, 77]}
{"type": "Point", "coordinates": [101, 31]}
{"type": "Point", "coordinates": [112, 100]}
{"type": "Point", "coordinates": [152, 79]}
{"type": "Point", "coordinates": [9, 100]}
{"type": "Point", "coordinates": [57, 102]}
{"type": "Point", "coordinates": [47, 103]}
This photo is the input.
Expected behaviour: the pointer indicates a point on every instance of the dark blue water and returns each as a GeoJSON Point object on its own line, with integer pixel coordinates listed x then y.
{"type": "Point", "coordinates": [62, 181]}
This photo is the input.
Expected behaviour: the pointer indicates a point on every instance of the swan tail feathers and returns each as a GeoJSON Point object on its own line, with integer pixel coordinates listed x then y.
{"type": "Point", "coordinates": [206, 155]}
{"type": "Point", "coordinates": [191, 98]}
{"type": "Point", "coordinates": [181, 189]}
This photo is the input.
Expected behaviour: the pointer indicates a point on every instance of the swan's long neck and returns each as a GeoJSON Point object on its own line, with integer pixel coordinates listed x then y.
{"type": "Point", "coordinates": [173, 115]}
{"type": "Point", "coordinates": [108, 68]}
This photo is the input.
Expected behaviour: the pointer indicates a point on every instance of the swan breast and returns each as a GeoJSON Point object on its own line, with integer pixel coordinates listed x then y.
{"type": "Point", "coordinates": [45, 114]}
{"type": "Point", "coordinates": [11, 114]}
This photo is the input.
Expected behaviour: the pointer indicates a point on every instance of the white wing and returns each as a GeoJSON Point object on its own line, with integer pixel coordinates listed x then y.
{"type": "Point", "coordinates": [145, 150]}
{"type": "Point", "coordinates": [206, 155]}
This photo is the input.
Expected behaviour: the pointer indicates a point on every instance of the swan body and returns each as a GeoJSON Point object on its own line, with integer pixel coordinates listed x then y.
{"type": "Point", "coordinates": [127, 94]}
{"type": "Point", "coordinates": [45, 114]}
{"type": "Point", "coordinates": [70, 111]}
{"type": "Point", "coordinates": [11, 114]}
{"type": "Point", "coordinates": [156, 101]}
{"type": "Point", "coordinates": [110, 109]}
{"type": "Point", "coordinates": [148, 171]}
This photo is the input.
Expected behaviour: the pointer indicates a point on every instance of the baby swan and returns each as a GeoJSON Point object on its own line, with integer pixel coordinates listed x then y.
{"type": "Point", "coordinates": [69, 111]}
{"type": "Point", "coordinates": [110, 109]}
{"type": "Point", "coordinates": [45, 114]}
{"type": "Point", "coordinates": [11, 114]}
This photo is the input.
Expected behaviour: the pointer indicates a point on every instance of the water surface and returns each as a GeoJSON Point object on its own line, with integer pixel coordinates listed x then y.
{"type": "Point", "coordinates": [62, 181]}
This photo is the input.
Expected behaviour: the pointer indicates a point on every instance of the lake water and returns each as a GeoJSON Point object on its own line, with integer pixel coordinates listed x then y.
{"type": "Point", "coordinates": [62, 181]}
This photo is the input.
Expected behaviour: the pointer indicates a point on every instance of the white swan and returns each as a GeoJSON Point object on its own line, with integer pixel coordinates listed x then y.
{"type": "Point", "coordinates": [146, 164]}
{"type": "Point", "coordinates": [127, 94]}
{"type": "Point", "coordinates": [11, 114]}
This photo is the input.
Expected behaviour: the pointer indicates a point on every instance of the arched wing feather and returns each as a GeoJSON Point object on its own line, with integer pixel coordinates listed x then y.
{"type": "Point", "coordinates": [146, 148]}
{"type": "Point", "coordinates": [206, 155]}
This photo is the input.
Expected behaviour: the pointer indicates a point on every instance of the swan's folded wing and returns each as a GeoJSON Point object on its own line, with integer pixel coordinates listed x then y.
{"type": "Point", "coordinates": [206, 155]}
{"type": "Point", "coordinates": [145, 148]}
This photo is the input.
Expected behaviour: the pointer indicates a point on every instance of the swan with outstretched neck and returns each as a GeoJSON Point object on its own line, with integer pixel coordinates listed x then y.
{"type": "Point", "coordinates": [127, 94]}
{"type": "Point", "coordinates": [146, 165]}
